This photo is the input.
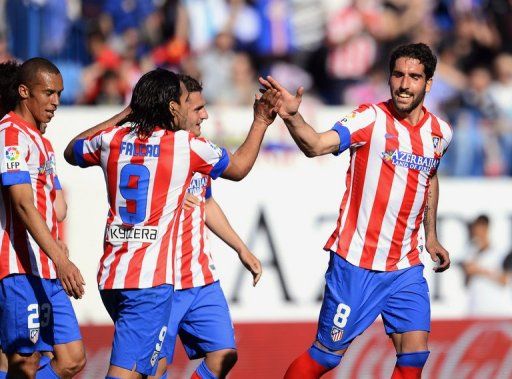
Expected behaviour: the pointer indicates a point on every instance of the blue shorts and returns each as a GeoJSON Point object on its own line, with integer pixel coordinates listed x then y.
{"type": "Point", "coordinates": [201, 317]}
{"type": "Point", "coordinates": [354, 297]}
{"type": "Point", "coordinates": [35, 314]}
{"type": "Point", "coordinates": [140, 321]}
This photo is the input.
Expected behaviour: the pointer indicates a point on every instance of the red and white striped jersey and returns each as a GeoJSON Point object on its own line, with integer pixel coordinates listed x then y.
{"type": "Point", "coordinates": [193, 263]}
{"type": "Point", "coordinates": [146, 184]}
{"type": "Point", "coordinates": [391, 163]}
{"type": "Point", "coordinates": [26, 157]}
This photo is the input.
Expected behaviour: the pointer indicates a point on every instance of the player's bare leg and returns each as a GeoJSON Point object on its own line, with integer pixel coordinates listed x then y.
{"type": "Point", "coordinates": [161, 370]}
{"type": "Point", "coordinates": [3, 364]}
{"type": "Point", "coordinates": [68, 360]}
{"type": "Point", "coordinates": [116, 372]}
{"type": "Point", "coordinates": [220, 362]}
{"type": "Point", "coordinates": [22, 365]}
{"type": "Point", "coordinates": [315, 362]}
{"type": "Point", "coordinates": [412, 353]}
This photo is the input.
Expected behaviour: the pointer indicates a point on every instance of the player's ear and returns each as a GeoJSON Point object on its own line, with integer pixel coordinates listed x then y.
{"type": "Point", "coordinates": [173, 108]}
{"type": "Point", "coordinates": [428, 85]}
{"type": "Point", "coordinates": [23, 91]}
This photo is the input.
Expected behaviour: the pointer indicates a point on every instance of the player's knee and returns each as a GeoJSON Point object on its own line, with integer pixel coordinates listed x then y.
{"type": "Point", "coordinates": [328, 359]}
{"type": "Point", "coordinates": [23, 366]}
{"type": "Point", "coordinates": [229, 359]}
{"type": "Point", "coordinates": [413, 359]}
{"type": "Point", "coordinates": [72, 365]}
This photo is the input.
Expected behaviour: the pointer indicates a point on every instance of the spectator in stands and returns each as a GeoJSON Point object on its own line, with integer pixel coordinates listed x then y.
{"type": "Point", "coordinates": [485, 278]}
{"type": "Point", "coordinates": [501, 93]}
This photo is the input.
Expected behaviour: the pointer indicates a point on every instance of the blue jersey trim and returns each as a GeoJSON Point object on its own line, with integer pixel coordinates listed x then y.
{"type": "Point", "coordinates": [208, 192]}
{"type": "Point", "coordinates": [15, 177]}
{"type": "Point", "coordinates": [78, 153]}
{"type": "Point", "coordinates": [344, 135]}
{"type": "Point", "coordinates": [221, 165]}
{"type": "Point", "coordinates": [57, 185]}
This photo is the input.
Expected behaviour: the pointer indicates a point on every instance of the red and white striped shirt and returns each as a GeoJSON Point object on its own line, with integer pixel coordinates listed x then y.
{"type": "Point", "coordinates": [146, 184]}
{"type": "Point", "coordinates": [391, 163]}
{"type": "Point", "coordinates": [193, 260]}
{"type": "Point", "coordinates": [26, 158]}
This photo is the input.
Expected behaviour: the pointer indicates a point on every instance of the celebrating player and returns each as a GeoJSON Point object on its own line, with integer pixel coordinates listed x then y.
{"type": "Point", "coordinates": [148, 167]}
{"type": "Point", "coordinates": [392, 186]}
{"type": "Point", "coordinates": [200, 313]}
{"type": "Point", "coordinates": [35, 313]}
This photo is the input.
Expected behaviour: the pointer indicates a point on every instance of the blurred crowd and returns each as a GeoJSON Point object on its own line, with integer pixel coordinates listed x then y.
{"type": "Point", "coordinates": [336, 49]}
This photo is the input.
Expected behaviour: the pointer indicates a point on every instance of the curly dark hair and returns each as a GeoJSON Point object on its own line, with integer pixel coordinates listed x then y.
{"type": "Point", "coordinates": [418, 51]}
{"type": "Point", "coordinates": [150, 102]}
{"type": "Point", "coordinates": [9, 72]}
{"type": "Point", "coordinates": [191, 84]}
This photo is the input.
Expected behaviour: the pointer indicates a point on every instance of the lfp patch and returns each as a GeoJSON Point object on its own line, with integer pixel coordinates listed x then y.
{"type": "Point", "coordinates": [438, 146]}
{"type": "Point", "coordinates": [12, 153]}
{"type": "Point", "coordinates": [336, 334]}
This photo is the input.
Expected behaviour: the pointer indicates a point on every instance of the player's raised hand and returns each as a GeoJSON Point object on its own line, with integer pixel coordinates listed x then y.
{"type": "Point", "coordinates": [266, 106]}
{"type": "Point", "coordinates": [252, 264]}
{"type": "Point", "coordinates": [290, 103]}
{"type": "Point", "coordinates": [190, 202]}
{"type": "Point", "coordinates": [439, 255]}
{"type": "Point", "coordinates": [71, 278]}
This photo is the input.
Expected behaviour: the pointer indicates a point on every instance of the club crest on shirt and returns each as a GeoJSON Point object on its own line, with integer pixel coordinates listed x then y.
{"type": "Point", "coordinates": [34, 335]}
{"type": "Point", "coordinates": [48, 167]}
{"type": "Point", "coordinates": [336, 334]}
{"type": "Point", "coordinates": [438, 146]}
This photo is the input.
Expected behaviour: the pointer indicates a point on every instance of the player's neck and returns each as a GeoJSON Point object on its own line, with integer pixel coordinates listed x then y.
{"type": "Point", "coordinates": [412, 117]}
{"type": "Point", "coordinates": [22, 111]}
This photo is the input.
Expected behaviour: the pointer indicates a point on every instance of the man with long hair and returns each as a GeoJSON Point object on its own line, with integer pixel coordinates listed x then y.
{"type": "Point", "coordinates": [148, 159]}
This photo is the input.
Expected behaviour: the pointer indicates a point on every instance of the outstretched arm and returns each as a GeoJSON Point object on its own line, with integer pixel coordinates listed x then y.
{"type": "Point", "coordinates": [68, 153]}
{"type": "Point", "coordinates": [241, 162]}
{"type": "Point", "coordinates": [309, 141]}
{"type": "Point", "coordinates": [437, 252]}
{"type": "Point", "coordinates": [217, 222]}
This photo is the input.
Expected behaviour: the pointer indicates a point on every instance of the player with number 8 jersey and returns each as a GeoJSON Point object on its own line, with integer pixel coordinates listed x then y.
{"type": "Point", "coordinates": [148, 166]}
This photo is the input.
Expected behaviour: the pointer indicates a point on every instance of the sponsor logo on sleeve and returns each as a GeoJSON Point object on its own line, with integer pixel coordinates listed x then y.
{"type": "Point", "coordinates": [12, 158]}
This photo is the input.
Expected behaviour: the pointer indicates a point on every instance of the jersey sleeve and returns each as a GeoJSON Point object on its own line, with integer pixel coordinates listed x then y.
{"type": "Point", "coordinates": [15, 150]}
{"type": "Point", "coordinates": [208, 192]}
{"type": "Point", "coordinates": [87, 151]}
{"type": "Point", "coordinates": [207, 158]}
{"type": "Point", "coordinates": [354, 129]}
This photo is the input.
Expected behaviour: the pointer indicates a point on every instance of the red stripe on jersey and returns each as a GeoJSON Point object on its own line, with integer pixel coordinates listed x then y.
{"type": "Point", "coordinates": [411, 189]}
{"type": "Point", "coordinates": [336, 232]}
{"type": "Point", "coordinates": [360, 165]}
{"type": "Point", "coordinates": [162, 184]}
{"type": "Point", "coordinates": [4, 251]}
{"type": "Point", "coordinates": [415, 259]}
{"type": "Point", "coordinates": [186, 246]}
{"type": "Point", "coordinates": [203, 259]}
{"type": "Point", "coordinates": [20, 233]}
{"type": "Point", "coordinates": [380, 203]}
{"type": "Point", "coordinates": [113, 158]}
{"type": "Point", "coordinates": [134, 267]}
{"type": "Point", "coordinates": [41, 207]}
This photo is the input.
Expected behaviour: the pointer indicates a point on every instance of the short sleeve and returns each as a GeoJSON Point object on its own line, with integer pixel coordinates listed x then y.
{"type": "Point", "coordinates": [87, 151]}
{"type": "Point", "coordinates": [15, 150]}
{"type": "Point", "coordinates": [354, 129]}
{"type": "Point", "coordinates": [207, 158]}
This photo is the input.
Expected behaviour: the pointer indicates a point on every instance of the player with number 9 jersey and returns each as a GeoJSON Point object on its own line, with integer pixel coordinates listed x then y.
{"type": "Point", "coordinates": [148, 159]}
